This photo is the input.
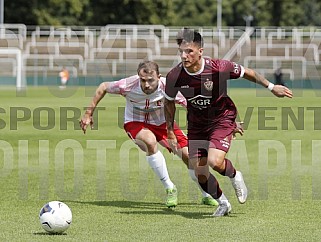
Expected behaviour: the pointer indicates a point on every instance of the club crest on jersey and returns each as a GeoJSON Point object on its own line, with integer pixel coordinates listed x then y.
{"type": "Point", "coordinates": [208, 85]}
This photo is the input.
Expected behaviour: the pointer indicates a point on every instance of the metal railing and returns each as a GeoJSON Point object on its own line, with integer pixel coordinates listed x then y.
{"type": "Point", "coordinates": [299, 45]}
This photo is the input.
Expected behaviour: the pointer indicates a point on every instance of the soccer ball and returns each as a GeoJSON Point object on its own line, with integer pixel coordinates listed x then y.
{"type": "Point", "coordinates": [55, 217]}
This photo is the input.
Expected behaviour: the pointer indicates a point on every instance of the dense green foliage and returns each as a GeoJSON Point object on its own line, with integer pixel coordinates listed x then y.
{"type": "Point", "coordinates": [165, 12]}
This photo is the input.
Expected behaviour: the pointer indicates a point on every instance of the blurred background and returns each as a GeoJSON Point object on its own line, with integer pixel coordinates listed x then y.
{"type": "Point", "coordinates": [103, 40]}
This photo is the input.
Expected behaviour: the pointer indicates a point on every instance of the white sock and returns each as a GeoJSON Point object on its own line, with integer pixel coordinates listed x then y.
{"type": "Point", "coordinates": [222, 199]}
{"type": "Point", "coordinates": [194, 178]}
{"type": "Point", "coordinates": [158, 164]}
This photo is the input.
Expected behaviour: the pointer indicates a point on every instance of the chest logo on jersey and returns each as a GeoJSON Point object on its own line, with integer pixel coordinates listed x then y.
{"type": "Point", "coordinates": [208, 85]}
{"type": "Point", "coordinates": [200, 101]}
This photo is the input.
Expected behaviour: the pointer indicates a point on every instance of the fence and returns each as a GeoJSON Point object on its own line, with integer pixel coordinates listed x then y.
{"type": "Point", "coordinates": [115, 50]}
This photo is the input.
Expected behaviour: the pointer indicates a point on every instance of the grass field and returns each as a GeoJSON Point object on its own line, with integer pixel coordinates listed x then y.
{"type": "Point", "coordinates": [114, 195]}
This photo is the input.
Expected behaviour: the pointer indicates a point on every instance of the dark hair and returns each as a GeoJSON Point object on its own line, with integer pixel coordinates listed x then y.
{"type": "Point", "coordinates": [189, 35]}
{"type": "Point", "coordinates": [148, 67]}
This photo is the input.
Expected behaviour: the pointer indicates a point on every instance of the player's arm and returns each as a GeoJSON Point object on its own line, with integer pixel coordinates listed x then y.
{"type": "Point", "coordinates": [169, 110]}
{"type": "Point", "coordinates": [277, 90]}
{"type": "Point", "coordinates": [87, 118]}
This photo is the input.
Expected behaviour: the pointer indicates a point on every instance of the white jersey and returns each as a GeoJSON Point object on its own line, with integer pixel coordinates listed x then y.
{"type": "Point", "coordinates": [142, 107]}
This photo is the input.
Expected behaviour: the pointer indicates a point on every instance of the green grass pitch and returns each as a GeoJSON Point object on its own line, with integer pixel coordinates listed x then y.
{"type": "Point", "coordinates": [114, 195]}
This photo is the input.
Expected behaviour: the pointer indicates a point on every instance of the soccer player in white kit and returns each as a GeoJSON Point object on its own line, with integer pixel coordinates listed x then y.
{"type": "Point", "coordinates": [145, 122]}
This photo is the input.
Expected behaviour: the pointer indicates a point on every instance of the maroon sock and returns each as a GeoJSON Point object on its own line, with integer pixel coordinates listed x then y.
{"type": "Point", "coordinates": [229, 169]}
{"type": "Point", "coordinates": [212, 187]}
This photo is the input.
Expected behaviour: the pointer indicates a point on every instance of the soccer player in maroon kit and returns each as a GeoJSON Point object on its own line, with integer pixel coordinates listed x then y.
{"type": "Point", "coordinates": [211, 113]}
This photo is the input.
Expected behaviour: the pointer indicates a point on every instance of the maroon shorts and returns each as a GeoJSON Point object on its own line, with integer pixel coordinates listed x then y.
{"type": "Point", "coordinates": [160, 132]}
{"type": "Point", "coordinates": [217, 135]}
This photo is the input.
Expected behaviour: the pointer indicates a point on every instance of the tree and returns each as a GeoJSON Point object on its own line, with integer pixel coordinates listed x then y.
{"type": "Point", "coordinates": [131, 12]}
{"type": "Point", "coordinates": [18, 11]}
{"type": "Point", "coordinates": [61, 12]}
{"type": "Point", "coordinates": [165, 12]}
{"type": "Point", "coordinates": [313, 7]}
{"type": "Point", "coordinates": [277, 10]}
{"type": "Point", "coordinates": [195, 13]}
{"type": "Point", "coordinates": [51, 12]}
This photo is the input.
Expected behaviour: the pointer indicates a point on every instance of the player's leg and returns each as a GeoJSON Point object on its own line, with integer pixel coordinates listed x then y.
{"type": "Point", "coordinates": [209, 184]}
{"type": "Point", "coordinates": [146, 140]}
{"type": "Point", "coordinates": [206, 198]}
{"type": "Point", "coordinates": [161, 135]}
{"type": "Point", "coordinates": [154, 157]}
{"type": "Point", "coordinates": [220, 141]}
{"type": "Point", "coordinates": [63, 82]}
{"type": "Point", "coordinates": [217, 160]}
{"type": "Point", "coordinates": [156, 160]}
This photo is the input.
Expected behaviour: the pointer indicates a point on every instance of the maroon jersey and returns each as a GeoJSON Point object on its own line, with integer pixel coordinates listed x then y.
{"type": "Point", "coordinates": [205, 91]}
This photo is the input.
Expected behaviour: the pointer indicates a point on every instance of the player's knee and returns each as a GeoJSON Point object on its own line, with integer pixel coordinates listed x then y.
{"type": "Point", "coordinates": [147, 141]}
{"type": "Point", "coordinates": [151, 146]}
{"type": "Point", "coordinates": [150, 143]}
{"type": "Point", "coordinates": [216, 163]}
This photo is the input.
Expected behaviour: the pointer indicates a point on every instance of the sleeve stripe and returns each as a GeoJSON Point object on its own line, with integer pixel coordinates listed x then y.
{"type": "Point", "coordinates": [168, 97]}
{"type": "Point", "coordinates": [242, 71]}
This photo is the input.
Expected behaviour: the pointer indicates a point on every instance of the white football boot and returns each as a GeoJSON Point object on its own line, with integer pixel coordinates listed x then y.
{"type": "Point", "coordinates": [239, 187]}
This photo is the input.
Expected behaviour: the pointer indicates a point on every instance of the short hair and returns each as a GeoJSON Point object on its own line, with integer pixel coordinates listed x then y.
{"type": "Point", "coordinates": [148, 67]}
{"type": "Point", "coordinates": [189, 35]}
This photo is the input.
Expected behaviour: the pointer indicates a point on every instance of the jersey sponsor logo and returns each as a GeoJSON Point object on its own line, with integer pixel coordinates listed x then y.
{"type": "Point", "coordinates": [208, 85]}
{"type": "Point", "coordinates": [200, 101]}
{"type": "Point", "coordinates": [186, 86]}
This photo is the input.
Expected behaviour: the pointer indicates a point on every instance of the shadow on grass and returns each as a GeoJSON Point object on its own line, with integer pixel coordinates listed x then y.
{"type": "Point", "coordinates": [49, 234]}
{"type": "Point", "coordinates": [150, 208]}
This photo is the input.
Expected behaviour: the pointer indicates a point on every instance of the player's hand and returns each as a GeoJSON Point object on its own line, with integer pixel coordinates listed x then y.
{"type": "Point", "coordinates": [282, 91]}
{"type": "Point", "coordinates": [172, 141]}
{"type": "Point", "coordinates": [238, 129]}
{"type": "Point", "coordinates": [85, 121]}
